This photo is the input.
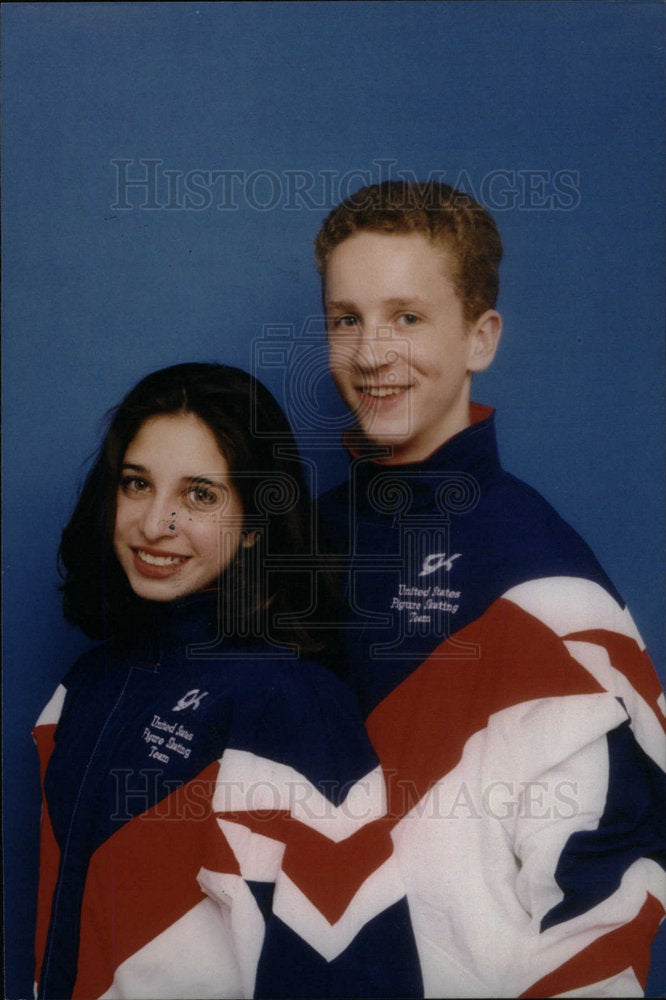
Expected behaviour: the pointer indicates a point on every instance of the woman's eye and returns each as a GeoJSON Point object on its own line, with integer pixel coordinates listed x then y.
{"type": "Point", "coordinates": [133, 484]}
{"type": "Point", "coordinates": [201, 496]}
{"type": "Point", "coordinates": [409, 319]}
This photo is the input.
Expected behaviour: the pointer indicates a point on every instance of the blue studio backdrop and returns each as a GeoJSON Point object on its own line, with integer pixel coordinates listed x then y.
{"type": "Point", "coordinates": [166, 167]}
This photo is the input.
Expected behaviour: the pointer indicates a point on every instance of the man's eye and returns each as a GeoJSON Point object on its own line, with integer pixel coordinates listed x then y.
{"type": "Point", "coordinates": [409, 319]}
{"type": "Point", "coordinates": [344, 321]}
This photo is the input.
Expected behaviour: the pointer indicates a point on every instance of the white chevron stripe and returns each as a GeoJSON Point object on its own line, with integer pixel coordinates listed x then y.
{"type": "Point", "coordinates": [570, 604]}
{"type": "Point", "coordinates": [194, 958]}
{"type": "Point", "coordinates": [380, 890]}
{"type": "Point", "coordinates": [247, 782]}
{"type": "Point", "coordinates": [644, 722]}
{"type": "Point", "coordinates": [259, 858]}
{"type": "Point", "coordinates": [51, 713]}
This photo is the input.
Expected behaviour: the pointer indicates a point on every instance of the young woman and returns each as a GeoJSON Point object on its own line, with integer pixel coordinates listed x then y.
{"type": "Point", "coordinates": [212, 808]}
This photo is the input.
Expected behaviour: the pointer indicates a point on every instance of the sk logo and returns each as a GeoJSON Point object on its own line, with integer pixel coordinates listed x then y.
{"type": "Point", "coordinates": [192, 700]}
{"type": "Point", "coordinates": [436, 561]}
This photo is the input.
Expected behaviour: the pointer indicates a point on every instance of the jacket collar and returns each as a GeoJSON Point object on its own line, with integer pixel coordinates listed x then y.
{"type": "Point", "coordinates": [469, 462]}
{"type": "Point", "coordinates": [156, 626]}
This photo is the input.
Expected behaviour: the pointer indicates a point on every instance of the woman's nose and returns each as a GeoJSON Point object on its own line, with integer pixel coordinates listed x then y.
{"type": "Point", "coordinates": [160, 519]}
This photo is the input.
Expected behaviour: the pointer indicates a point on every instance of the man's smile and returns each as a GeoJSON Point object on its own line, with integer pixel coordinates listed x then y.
{"type": "Point", "coordinates": [380, 391]}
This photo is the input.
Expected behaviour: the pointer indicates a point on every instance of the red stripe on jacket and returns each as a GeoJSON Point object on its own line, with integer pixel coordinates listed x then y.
{"type": "Point", "coordinates": [633, 662]}
{"type": "Point", "coordinates": [49, 852]}
{"type": "Point", "coordinates": [328, 873]}
{"type": "Point", "coordinates": [143, 878]}
{"type": "Point", "coordinates": [610, 955]}
{"type": "Point", "coordinates": [420, 729]}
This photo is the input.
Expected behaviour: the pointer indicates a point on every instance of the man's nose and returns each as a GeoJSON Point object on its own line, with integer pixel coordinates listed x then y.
{"type": "Point", "coordinates": [373, 344]}
{"type": "Point", "coordinates": [374, 347]}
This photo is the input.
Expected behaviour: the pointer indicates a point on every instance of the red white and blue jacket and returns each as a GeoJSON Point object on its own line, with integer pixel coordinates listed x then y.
{"type": "Point", "coordinates": [518, 720]}
{"type": "Point", "coordinates": [212, 827]}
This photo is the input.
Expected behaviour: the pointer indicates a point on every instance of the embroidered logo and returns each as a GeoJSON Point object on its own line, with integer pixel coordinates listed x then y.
{"type": "Point", "coordinates": [191, 700]}
{"type": "Point", "coordinates": [436, 561]}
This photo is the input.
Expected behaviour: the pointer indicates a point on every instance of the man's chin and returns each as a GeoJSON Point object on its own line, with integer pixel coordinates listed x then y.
{"type": "Point", "coordinates": [372, 438]}
{"type": "Point", "coordinates": [376, 434]}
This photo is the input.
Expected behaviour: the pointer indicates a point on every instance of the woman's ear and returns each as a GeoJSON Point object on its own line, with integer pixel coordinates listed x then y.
{"type": "Point", "coordinates": [484, 337]}
{"type": "Point", "coordinates": [249, 538]}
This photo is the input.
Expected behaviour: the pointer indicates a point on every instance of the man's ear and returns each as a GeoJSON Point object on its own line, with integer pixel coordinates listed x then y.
{"type": "Point", "coordinates": [484, 337]}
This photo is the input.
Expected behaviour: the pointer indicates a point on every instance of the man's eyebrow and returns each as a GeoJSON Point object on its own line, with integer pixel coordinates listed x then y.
{"type": "Point", "coordinates": [345, 306]}
{"type": "Point", "coordinates": [397, 302]}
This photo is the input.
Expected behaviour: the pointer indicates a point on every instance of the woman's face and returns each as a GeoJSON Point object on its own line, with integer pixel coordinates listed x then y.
{"type": "Point", "coordinates": [178, 518]}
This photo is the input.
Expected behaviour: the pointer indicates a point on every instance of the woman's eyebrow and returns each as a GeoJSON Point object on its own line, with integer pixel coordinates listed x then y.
{"type": "Point", "coordinates": [190, 479]}
{"type": "Point", "coordinates": [205, 480]}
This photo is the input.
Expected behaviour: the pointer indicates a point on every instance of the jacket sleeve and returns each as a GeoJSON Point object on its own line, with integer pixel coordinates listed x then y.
{"type": "Point", "coordinates": [591, 876]}
{"type": "Point", "coordinates": [195, 954]}
{"type": "Point", "coordinates": [531, 842]}
{"type": "Point", "coordinates": [49, 853]}
{"type": "Point", "coordinates": [317, 907]}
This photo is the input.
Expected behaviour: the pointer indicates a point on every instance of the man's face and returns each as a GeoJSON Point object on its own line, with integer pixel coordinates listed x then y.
{"type": "Point", "coordinates": [400, 352]}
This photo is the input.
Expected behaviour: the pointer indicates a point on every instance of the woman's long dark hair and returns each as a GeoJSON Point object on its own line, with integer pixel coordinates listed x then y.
{"type": "Point", "coordinates": [266, 585]}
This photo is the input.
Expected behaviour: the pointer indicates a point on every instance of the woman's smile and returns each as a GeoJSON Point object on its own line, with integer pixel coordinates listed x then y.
{"type": "Point", "coordinates": [178, 518]}
{"type": "Point", "coordinates": [157, 565]}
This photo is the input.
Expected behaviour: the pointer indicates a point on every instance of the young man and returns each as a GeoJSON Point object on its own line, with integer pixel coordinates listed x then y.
{"type": "Point", "coordinates": [517, 717]}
